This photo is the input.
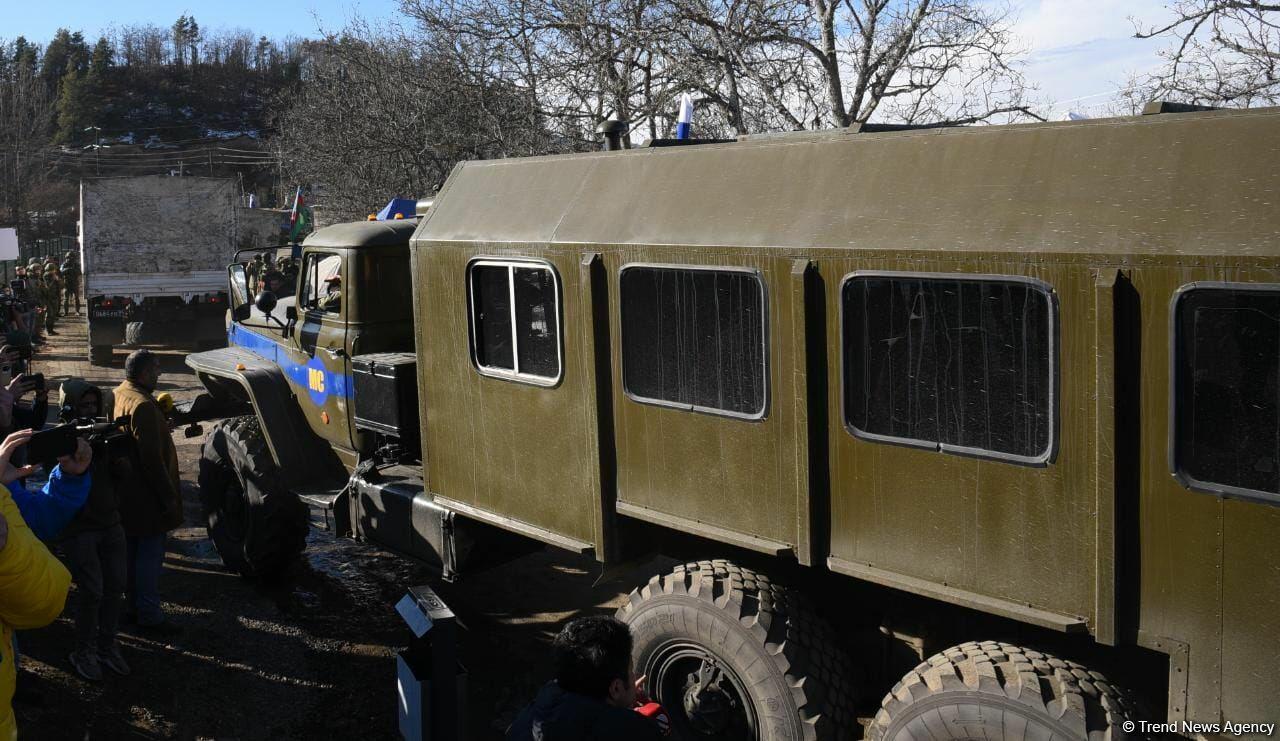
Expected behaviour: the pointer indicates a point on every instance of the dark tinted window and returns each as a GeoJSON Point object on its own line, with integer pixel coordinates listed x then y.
{"type": "Point", "coordinates": [536, 331]}
{"type": "Point", "coordinates": [694, 338]}
{"type": "Point", "coordinates": [532, 348]}
{"type": "Point", "coordinates": [950, 363]}
{"type": "Point", "coordinates": [1227, 419]}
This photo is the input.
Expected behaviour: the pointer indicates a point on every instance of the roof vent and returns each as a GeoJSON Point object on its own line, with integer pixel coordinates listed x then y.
{"type": "Point", "coordinates": [1164, 106]}
{"type": "Point", "coordinates": [613, 130]}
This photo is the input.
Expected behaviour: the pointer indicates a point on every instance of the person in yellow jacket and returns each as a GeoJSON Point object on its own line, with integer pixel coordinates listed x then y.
{"type": "Point", "coordinates": [33, 584]}
{"type": "Point", "coordinates": [33, 591]}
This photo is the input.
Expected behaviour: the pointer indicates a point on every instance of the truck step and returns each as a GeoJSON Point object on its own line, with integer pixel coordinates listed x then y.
{"type": "Point", "coordinates": [320, 503]}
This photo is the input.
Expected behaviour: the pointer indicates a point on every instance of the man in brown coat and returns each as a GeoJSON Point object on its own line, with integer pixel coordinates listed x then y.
{"type": "Point", "coordinates": [153, 507]}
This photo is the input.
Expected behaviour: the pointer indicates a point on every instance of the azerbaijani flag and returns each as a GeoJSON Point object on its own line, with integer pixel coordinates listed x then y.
{"type": "Point", "coordinates": [299, 218]}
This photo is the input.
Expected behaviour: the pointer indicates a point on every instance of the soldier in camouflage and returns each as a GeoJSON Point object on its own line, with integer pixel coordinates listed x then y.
{"type": "Point", "coordinates": [51, 297]}
{"type": "Point", "coordinates": [70, 270]}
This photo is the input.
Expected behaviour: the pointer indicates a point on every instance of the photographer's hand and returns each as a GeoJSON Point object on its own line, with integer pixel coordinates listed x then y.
{"type": "Point", "coordinates": [76, 465]}
{"type": "Point", "coordinates": [19, 386]}
{"type": "Point", "coordinates": [10, 473]}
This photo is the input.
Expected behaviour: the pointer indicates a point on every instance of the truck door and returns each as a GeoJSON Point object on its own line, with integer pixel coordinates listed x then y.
{"type": "Point", "coordinates": [318, 358]}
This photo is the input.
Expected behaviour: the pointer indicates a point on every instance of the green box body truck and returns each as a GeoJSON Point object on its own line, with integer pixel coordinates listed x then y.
{"type": "Point", "coordinates": [966, 432]}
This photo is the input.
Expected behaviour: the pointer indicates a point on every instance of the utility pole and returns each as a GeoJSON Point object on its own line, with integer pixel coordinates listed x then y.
{"type": "Point", "coordinates": [96, 147]}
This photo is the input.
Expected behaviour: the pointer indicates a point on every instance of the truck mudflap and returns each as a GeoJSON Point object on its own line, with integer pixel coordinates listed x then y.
{"type": "Point", "coordinates": [303, 458]}
{"type": "Point", "coordinates": [390, 506]}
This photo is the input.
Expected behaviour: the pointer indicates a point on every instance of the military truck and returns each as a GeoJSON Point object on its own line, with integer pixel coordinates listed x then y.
{"type": "Point", "coordinates": [965, 432]}
{"type": "Point", "coordinates": [154, 250]}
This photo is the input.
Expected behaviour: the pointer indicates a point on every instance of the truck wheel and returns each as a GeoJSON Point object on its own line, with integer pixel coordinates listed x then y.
{"type": "Point", "coordinates": [258, 527]}
{"type": "Point", "coordinates": [731, 655]}
{"type": "Point", "coordinates": [993, 690]}
{"type": "Point", "coordinates": [133, 333]}
{"type": "Point", "coordinates": [100, 354]}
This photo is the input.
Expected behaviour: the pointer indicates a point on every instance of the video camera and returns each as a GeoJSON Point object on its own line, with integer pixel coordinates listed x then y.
{"type": "Point", "coordinates": [108, 439]}
{"type": "Point", "coordinates": [16, 304]}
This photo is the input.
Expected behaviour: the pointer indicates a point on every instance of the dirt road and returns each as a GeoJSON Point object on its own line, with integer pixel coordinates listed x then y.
{"type": "Point", "coordinates": [311, 659]}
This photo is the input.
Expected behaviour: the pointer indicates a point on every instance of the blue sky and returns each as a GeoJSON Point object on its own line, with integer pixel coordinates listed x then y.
{"type": "Point", "coordinates": [1080, 50]}
{"type": "Point", "coordinates": [276, 18]}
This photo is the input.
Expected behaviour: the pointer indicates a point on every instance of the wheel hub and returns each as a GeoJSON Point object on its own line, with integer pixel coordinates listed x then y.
{"type": "Point", "coordinates": [709, 706]}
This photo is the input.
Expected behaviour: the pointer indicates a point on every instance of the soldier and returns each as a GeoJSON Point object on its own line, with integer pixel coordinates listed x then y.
{"type": "Point", "coordinates": [35, 297]}
{"type": "Point", "coordinates": [71, 282]}
{"type": "Point", "coordinates": [255, 270]}
{"type": "Point", "coordinates": [52, 296]}
{"type": "Point", "coordinates": [290, 273]}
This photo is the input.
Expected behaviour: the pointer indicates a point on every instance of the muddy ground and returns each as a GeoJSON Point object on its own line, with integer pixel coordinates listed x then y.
{"type": "Point", "coordinates": [313, 658]}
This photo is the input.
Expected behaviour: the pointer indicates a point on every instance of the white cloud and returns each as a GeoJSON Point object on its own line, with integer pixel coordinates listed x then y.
{"type": "Point", "coordinates": [1083, 50]}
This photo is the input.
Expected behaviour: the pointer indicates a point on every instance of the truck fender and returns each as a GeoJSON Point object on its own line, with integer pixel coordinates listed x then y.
{"type": "Point", "coordinates": [303, 458]}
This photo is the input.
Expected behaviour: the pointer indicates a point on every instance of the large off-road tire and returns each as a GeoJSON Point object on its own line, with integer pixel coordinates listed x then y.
{"type": "Point", "coordinates": [258, 527]}
{"type": "Point", "coordinates": [731, 655]}
{"type": "Point", "coordinates": [133, 333]}
{"type": "Point", "coordinates": [100, 354]}
{"type": "Point", "coordinates": [993, 690]}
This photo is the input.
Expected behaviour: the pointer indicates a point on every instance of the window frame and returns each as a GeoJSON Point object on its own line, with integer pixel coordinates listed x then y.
{"type": "Point", "coordinates": [765, 345]}
{"type": "Point", "coordinates": [1188, 481]}
{"type": "Point", "coordinates": [1051, 298]}
{"type": "Point", "coordinates": [514, 375]}
{"type": "Point", "coordinates": [304, 282]}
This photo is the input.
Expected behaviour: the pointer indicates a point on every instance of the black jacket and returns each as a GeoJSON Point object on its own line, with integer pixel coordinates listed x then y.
{"type": "Point", "coordinates": [101, 509]}
{"type": "Point", "coordinates": [556, 715]}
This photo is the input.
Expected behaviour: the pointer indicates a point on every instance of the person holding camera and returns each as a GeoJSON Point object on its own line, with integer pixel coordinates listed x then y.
{"type": "Point", "coordinates": [33, 590]}
{"type": "Point", "coordinates": [95, 547]}
{"type": "Point", "coordinates": [152, 506]}
{"type": "Point", "coordinates": [33, 584]}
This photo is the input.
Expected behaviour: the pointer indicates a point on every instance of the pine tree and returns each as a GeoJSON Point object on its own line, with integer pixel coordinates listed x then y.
{"type": "Point", "coordinates": [193, 38]}
{"type": "Point", "coordinates": [180, 28]}
{"type": "Point", "coordinates": [76, 109]}
{"type": "Point", "coordinates": [25, 57]}
{"type": "Point", "coordinates": [102, 60]}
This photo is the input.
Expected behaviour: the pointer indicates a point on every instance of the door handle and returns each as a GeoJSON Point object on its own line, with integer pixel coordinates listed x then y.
{"type": "Point", "coordinates": [335, 352]}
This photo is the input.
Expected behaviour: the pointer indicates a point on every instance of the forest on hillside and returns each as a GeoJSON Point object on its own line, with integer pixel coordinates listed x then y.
{"type": "Point", "coordinates": [386, 108]}
{"type": "Point", "coordinates": [137, 100]}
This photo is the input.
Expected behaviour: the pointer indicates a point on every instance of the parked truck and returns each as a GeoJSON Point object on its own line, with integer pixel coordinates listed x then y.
{"type": "Point", "coordinates": [154, 251]}
{"type": "Point", "coordinates": [964, 432]}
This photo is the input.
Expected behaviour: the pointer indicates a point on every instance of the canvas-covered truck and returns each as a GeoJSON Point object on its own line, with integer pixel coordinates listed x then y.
{"type": "Point", "coordinates": [154, 251]}
{"type": "Point", "coordinates": [960, 433]}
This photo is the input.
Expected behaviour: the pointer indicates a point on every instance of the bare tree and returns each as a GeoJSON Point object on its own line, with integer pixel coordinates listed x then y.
{"type": "Point", "coordinates": [381, 114]}
{"type": "Point", "coordinates": [753, 64]}
{"type": "Point", "coordinates": [26, 107]}
{"type": "Point", "coordinates": [582, 61]}
{"type": "Point", "coordinates": [1222, 52]}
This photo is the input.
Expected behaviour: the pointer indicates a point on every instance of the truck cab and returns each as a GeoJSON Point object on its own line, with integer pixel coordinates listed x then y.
{"type": "Point", "coordinates": [353, 296]}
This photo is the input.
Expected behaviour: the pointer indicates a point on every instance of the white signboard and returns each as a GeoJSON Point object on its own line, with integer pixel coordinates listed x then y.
{"type": "Point", "coordinates": [8, 244]}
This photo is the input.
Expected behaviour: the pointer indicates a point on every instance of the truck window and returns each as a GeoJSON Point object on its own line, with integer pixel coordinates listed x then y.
{"type": "Point", "coordinates": [694, 338]}
{"type": "Point", "coordinates": [1226, 344]}
{"type": "Point", "coordinates": [515, 320]}
{"type": "Point", "coordinates": [322, 283]}
{"type": "Point", "coordinates": [961, 364]}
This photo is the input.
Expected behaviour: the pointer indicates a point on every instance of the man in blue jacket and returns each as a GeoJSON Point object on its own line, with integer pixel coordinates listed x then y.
{"type": "Point", "coordinates": [594, 693]}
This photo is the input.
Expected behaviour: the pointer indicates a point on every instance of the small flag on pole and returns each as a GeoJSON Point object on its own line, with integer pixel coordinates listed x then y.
{"type": "Point", "coordinates": [684, 121]}
{"type": "Point", "coordinates": [298, 218]}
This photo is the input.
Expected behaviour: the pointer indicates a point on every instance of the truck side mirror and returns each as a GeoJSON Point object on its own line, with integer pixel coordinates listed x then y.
{"type": "Point", "coordinates": [239, 292]}
{"type": "Point", "coordinates": [265, 302]}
